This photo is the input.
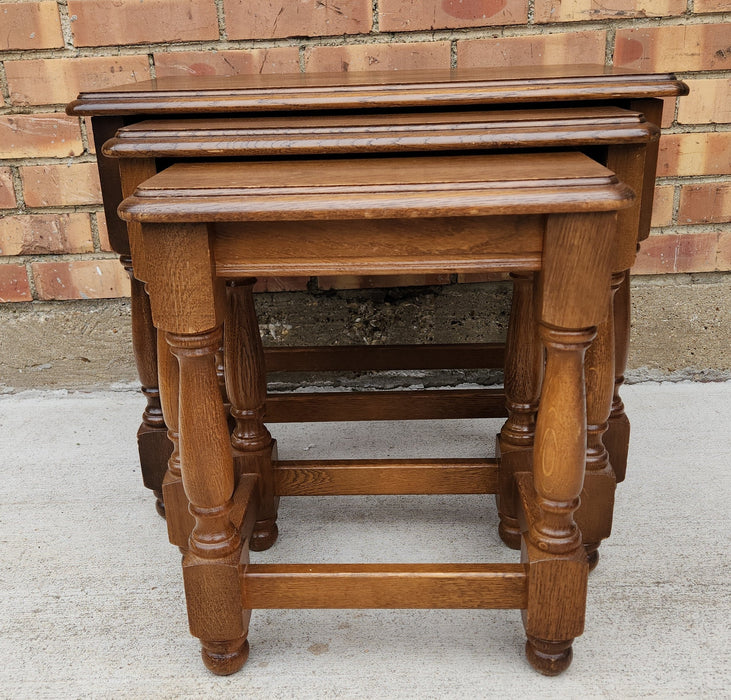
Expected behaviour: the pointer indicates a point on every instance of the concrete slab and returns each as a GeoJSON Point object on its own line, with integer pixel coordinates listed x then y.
{"type": "Point", "coordinates": [92, 601]}
{"type": "Point", "coordinates": [681, 330]}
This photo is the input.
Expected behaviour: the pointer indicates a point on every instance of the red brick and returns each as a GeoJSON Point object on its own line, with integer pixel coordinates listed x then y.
{"type": "Point", "coordinates": [656, 255]}
{"type": "Point", "coordinates": [59, 80]}
{"type": "Point", "coordinates": [30, 25]}
{"type": "Point", "coordinates": [695, 154]}
{"type": "Point", "coordinates": [708, 203]}
{"type": "Point", "coordinates": [723, 258]}
{"type": "Point", "coordinates": [14, 283]}
{"type": "Point", "coordinates": [80, 279]}
{"type": "Point", "coordinates": [7, 192]}
{"type": "Point", "coordinates": [674, 48]}
{"type": "Point", "coordinates": [101, 226]}
{"type": "Point", "coordinates": [39, 136]}
{"type": "Point", "coordinates": [697, 252]}
{"type": "Point", "coordinates": [41, 234]}
{"type": "Point", "coordinates": [380, 281]}
{"type": "Point", "coordinates": [709, 102]}
{"type": "Point", "coordinates": [662, 209]}
{"type": "Point", "coordinates": [120, 22]}
{"type": "Point", "coordinates": [61, 185]}
{"type": "Point", "coordinates": [545, 49]}
{"type": "Point", "coordinates": [280, 60]}
{"type": "Point", "coordinates": [89, 135]}
{"type": "Point", "coordinates": [668, 111]}
{"type": "Point", "coordinates": [273, 19]}
{"type": "Point", "coordinates": [700, 6]}
{"type": "Point", "coordinates": [361, 57]}
{"type": "Point", "coordinates": [281, 284]}
{"type": "Point", "coordinates": [410, 15]}
{"type": "Point", "coordinates": [581, 10]}
{"type": "Point", "coordinates": [676, 253]}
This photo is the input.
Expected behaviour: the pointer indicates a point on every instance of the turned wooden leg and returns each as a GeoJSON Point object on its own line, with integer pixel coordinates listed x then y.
{"type": "Point", "coordinates": [597, 498]}
{"type": "Point", "coordinates": [618, 434]}
{"type": "Point", "coordinates": [246, 389]}
{"type": "Point", "coordinates": [179, 520]}
{"type": "Point", "coordinates": [553, 547]}
{"type": "Point", "coordinates": [573, 298]}
{"type": "Point", "coordinates": [210, 566]}
{"type": "Point", "coordinates": [523, 373]}
{"type": "Point", "coordinates": [152, 441]}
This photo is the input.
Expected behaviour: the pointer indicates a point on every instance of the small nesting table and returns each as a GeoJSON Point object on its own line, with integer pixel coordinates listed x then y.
{"type": "Point", "coordinates": [553, 215]}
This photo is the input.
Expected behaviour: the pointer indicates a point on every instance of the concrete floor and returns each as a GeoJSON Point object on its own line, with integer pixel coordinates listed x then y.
{"type": "Point", "coordinates": [92, 602]}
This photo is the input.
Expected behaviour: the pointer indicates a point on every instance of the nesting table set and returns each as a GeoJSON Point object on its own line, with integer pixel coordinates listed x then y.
{"type": "Point", "coordinates": [543, 173]}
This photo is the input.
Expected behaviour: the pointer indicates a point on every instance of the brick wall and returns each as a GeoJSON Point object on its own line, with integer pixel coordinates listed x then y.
{"type": "Point", "coordinates": [52, 236]}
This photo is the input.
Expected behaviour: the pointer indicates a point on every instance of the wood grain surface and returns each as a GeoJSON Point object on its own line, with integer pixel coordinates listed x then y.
{"type": "Point", "coordinates": [357, 133]}
{"type": "Point", "coordinates": [427, 88]}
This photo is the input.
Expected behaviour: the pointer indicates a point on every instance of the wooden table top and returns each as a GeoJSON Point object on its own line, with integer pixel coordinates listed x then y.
{"type": "Point", "coordinates": [388, 89]}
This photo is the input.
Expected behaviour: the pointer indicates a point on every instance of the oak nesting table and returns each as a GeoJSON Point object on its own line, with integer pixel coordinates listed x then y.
{"type": "Point", "coordinates": [230, 178]}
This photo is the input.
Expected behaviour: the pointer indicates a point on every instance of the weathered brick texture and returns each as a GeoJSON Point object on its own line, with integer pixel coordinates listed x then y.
{"type": "Point", "coordinates": [59, 185]}
{"type": "Point", "coordinates": [276, 60]}
{"type": "Point", "coordinates": [580, 10]}
{"type": "Point", "coordinates": [101, 226]}
{"type": "Point", "coordinates": [706, 203]}
{"type": "Point", "coordinates": [710, 102]}
{"type": "Point", "coordinates": [59, 80]}
{"type": "Point", "coordinates": [53, 236]}
{"type": "Point", "coordinates": [695, 154]}
{"type": "Point", "coordinates": [7, 191]}
{"type": "Point", "coordinates": [411, 15]}
{"type": "Point", "coordinates": [711, 6]}
{"type": "Point", "coordinates": [39, 136]}
{"type": "Point", "coordinates": [80, 279]}
{"type": "Point", "coordinates": [14, 284]}
{"type": "Point", "coordinates": [363, 57]}
{"type": "Point", "coordinates": [675, 48]}
{"type": "Point", "coordinates": [723, 253]}
{"type": "Point", "coordinates": [30, 25]}
{"type": "Point", "coordinates": [43, 234]}
{"type": "Point", "coordinates": [662, 209]}
{"type": "Point", "coordinates": [273, 19]}
{"type": "Point", "coordinates": [119, 22]}
{"type": "Point", "coordinates": [676, 253]}
{"type": "Point", "coordinates": [539, 50]}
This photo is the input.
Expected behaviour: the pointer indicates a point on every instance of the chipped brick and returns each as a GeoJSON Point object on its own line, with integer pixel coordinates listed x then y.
{"type": "Point", "coordinates": [80, 279]}
{"type": "Point", "coordinates": [59, 80]}
{"type": "Point", "coordinates": [411, 15]}
{"type": "Point", "coordinates": [363, 57]}
{"type": "Point", "coordinates": [120, 22]}
{"type": "Point", "coordinates": [278, 60]}
{"type": "Point", "coordinates": [42, 234]}
{"type": "Point", "coordinates": [274, 19]}
{"type": "Point", "coordinates": [39, 136]}
{"type": "Point", "coordinates": [540, 50]}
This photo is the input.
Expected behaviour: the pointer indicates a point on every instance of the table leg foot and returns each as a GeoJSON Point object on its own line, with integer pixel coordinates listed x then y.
{"type": "Point", "coordinates": [549, 658]}
{"type": "Point", "coordinates": [264, 536]}
{"type": "Point", "coordinates": [225, 658]}
{"type": "Point", "coordinates": [509, 532]}
{"type": "Point", "coordinates": [159, 504]}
